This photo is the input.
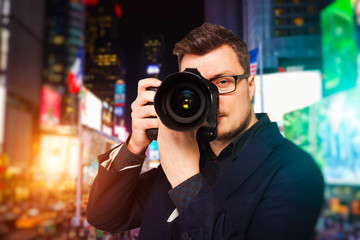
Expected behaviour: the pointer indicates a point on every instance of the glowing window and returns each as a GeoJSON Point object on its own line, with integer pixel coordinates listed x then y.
{"type": "Point", "coordinates": [299, 21]}
{"type": "Point", "coordinates": [278, 12]}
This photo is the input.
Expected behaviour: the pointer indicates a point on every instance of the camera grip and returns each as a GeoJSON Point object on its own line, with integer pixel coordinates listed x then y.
{"type": "Point", "coordinates": [151, 133]}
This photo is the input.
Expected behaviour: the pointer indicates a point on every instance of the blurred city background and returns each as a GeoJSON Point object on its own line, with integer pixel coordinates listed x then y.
{"type": "Point", "coordinates": [69, 71]}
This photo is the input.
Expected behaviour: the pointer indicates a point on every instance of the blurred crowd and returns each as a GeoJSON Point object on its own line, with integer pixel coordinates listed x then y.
{"type": "Point", "coordinates": [50, 216]}
{"type": "Point", "coordinates": [338, 227]}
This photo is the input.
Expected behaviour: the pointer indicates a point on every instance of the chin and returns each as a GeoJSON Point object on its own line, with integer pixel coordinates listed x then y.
{"type": "Point", "coordinates": [223, 135]}
{"type": "Point", "coordinates": [229, 132]}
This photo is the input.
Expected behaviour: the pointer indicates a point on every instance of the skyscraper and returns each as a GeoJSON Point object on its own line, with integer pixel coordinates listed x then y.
{"type": "Point", "coordinates": [289, 30]}
{"type": "Point", "coordinates": [64, 36]}
{"type": "Point", "coordinates": [103, 64]}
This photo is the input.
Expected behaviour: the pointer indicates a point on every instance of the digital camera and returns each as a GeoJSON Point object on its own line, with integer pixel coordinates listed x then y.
{"type": "Point", "coordinates": [185, 101]}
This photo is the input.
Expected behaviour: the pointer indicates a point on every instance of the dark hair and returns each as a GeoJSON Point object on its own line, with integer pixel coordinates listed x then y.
{"type": "Point", "coordinates": [209, 37]}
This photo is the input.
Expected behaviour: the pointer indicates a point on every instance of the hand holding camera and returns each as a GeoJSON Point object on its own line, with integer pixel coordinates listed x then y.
{"type": "Point", "coordinates": [143, 116]}
{"type": "Point", "coordinates": [184, 101]}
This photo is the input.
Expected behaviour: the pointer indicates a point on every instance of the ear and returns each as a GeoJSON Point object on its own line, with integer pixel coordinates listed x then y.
{"type": "Point", "coordinates": [252, 87]}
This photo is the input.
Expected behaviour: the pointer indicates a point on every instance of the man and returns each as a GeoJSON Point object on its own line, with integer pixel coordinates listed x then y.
{"type": "Point", "coordinates": [249, 183]}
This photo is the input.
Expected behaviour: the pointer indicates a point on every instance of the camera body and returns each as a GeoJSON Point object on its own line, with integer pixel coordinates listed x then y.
{"type": "Point", "coordinates": [186, 101]}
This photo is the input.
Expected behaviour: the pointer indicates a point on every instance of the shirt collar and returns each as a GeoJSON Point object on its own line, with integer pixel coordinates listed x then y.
{"type": "Point", "coordinates": [238, 144]}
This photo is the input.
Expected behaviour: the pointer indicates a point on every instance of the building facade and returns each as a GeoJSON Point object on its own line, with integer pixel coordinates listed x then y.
{"type": "Point", "coordinates": [21, 74]}
{"type": "Point", "coordinates": [290, 32]}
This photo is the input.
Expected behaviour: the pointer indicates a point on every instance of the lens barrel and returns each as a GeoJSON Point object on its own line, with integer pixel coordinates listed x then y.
{"type": "Point", "coordinates": [185, 101]}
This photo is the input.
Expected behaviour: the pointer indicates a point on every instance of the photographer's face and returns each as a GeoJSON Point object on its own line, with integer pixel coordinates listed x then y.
{"type": "Point", "coordinates": [235, 109]}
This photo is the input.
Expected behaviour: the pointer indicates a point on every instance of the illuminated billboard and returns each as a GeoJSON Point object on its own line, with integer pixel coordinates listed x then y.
{"type": "Point", "coordinates": [287, 91]}
{"type": "Point", "coordinates": [330, 131]}
{"type": "Point", "coordinates": [339, 48]}
{"type": "Point", "coordinates": [153, 155]}
{"type": "Point", "coordinates": [58, 156]}
{"type": "Point", "coordinates": [119, 97]}
{"type": "Point", "coordinates": [91, 110]}
{"type": "Point", "coordinates": [120, 90]}
{"type": "Point", "coordinates": [50, 107]}
{"type": "Point", "coordinates": [2, 109]}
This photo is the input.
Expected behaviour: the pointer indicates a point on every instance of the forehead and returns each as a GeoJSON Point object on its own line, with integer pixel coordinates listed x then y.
{"type": "Point", "coordinates": [222, 60]}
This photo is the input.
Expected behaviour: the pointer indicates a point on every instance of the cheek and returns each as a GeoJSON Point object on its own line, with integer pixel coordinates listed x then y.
{"type": "Point", "coordinates": [244, 90]}
{"type": "Point", "coordinates": [223, 104]}
{"type": "Point", "coordinates": [226, 106]}
{"type": "Point", "coordinates": [236, 108]}
{"type": "Point", "coordinates": [234, 102]}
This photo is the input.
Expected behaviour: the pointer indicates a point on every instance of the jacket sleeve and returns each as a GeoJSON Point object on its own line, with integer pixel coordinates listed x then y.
{"type": "Point", "coordinates": [117, 197]}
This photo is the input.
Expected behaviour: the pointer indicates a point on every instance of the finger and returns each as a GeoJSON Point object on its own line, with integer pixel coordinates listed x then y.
{"type": "Point", "coordinates": [148, 82]}
{"type": "Point", "coordinates": [142, 99]}
{"type": "Point", "coordinates": [145, 123]}
{"type": "Point", "coordinates": [144, 112]}
{"type": "Point", "coordinates": [146, 97]}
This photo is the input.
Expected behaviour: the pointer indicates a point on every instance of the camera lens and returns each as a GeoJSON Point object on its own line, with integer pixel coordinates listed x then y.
{"type": "Point", "coordinates": [185, 104]}
{"type": "Point", "coordinates": [186, 99]}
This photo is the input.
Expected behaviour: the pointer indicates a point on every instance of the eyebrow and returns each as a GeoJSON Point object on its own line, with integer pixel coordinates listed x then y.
{"type": "Point", "coordinates": [225, 73]}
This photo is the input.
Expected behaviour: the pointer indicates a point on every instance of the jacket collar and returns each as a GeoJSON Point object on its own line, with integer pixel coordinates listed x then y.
{"type": "Point", "coordinates": [237, 145]}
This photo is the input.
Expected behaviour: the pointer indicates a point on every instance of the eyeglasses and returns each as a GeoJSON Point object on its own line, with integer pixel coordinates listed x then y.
{"type": "Point", "coordinates": [227, 84]}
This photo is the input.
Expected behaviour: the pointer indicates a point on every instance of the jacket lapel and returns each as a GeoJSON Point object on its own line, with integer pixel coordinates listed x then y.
{"type": "Point", "coordinates": [247, 161]}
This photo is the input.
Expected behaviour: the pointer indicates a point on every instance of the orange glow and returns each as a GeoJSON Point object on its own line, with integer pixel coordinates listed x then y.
{"type": "Point", "coordinates": [299, 21]}
{"type": "Point", "coordinates": [58, 155]}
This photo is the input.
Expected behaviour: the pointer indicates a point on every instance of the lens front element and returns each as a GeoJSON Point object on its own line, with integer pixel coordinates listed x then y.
{"type": "Point", "coordinates": [185, 104]}
{"type": "Point", "coordinates": [185, 99]}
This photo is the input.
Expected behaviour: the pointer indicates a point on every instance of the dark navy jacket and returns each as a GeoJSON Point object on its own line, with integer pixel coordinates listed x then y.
{"type": "Point", "coordinates": [273, 190]}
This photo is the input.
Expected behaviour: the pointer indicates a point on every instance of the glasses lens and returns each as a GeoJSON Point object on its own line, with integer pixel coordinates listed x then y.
{"type": "Point", "coordinates": [225, 84]}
